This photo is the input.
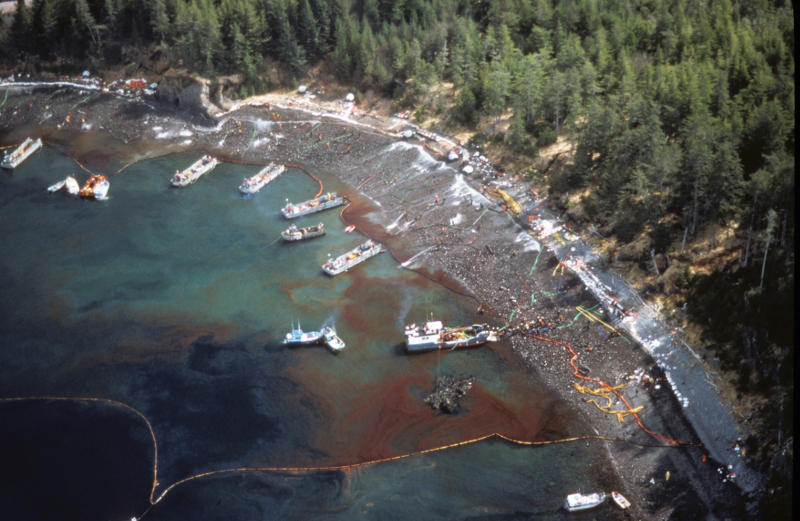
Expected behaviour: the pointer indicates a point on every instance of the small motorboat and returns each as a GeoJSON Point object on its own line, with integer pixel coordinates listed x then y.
{"type": "Point", "coordinates": [69, 183]}
{"type": "Point", "coordinates": [332, 339]}
{"type": "Point", "coordinates": [578, 501]}
{"type": "Point", "coordinates": [350, 228]}
{"type": "Point", "coordinates": [620, 500]}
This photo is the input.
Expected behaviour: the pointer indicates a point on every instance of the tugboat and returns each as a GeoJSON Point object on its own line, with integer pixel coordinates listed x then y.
{"type": "Point", "coordinates": [355, 256]}
{"type": "Point", "coordinates": [12, 160]}
{"type": "Point", "coordinates": [332, 339]}
{"type": "Point", "coordinates": [578, 501]}
{"type": "Point", "coordinates": [293, 233]}
{"type": "Point", "coordinates": [190, 175]}
{"type": "Point", "coordinates": [433, 335]}
{"type": "Point", "coordinates": [299, 337]}
{"type": "Point", "coordinates": [95, 188]}
{"type": "Point", "coordinates": [323, 202]}
{"type": "Point", "coordinates": [69, 183]}
{"type": "Point", "coordinates": [269, 173]}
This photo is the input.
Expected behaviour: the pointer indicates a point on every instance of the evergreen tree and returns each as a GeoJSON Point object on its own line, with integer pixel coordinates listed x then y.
{"type": "Point", "coordinates": [158, 18]}
{"type": "Point", "coordinates": [21, 26]}
{"type": "Point", "coordinates": [307, 31]}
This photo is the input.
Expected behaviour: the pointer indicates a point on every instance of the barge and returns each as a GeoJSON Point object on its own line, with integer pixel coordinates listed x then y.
{"type": "Point", "coordinates": [12, 160]}
{"type": "Point", "coordinates": [269, 173]}
{"type": "Point", "coordinates": [355, 256]}
{"type": "Point", "coordinates": [323, 202]}
{"type": "Point", "coordinates": [186, 177]}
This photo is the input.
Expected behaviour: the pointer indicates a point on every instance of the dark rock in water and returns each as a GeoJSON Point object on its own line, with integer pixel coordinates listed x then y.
{"type": "Point", "coordinates": [448, 391]}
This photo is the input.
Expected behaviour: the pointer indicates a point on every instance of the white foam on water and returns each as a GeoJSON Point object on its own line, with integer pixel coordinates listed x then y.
{"type": "Point", "coordinates": [186, 142]}
{"type": "Point", "coordinates": [186, 133]}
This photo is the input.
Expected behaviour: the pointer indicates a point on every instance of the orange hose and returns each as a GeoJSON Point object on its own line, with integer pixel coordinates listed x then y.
{"type": "Point", "coordinates": [613, 390]}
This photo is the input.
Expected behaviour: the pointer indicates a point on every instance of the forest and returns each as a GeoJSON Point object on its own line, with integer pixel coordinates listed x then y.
{"type": "Point", "coordinates": [680, 114]}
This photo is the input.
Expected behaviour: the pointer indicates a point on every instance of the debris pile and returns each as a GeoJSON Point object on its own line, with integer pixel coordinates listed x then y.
{"type": "Point", "coordinates": [448, 391]}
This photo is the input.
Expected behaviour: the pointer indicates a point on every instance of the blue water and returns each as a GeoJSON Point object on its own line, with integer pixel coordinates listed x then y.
{"type": "Point", "coordinates": [174, 301]}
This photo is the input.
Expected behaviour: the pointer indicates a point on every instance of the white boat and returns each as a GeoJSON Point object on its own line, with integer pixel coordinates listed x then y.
{"type": "Point", "coordinates": [269, 173]}
{"type": "Point", "coordinates": [69, 184]}
{"type": "Point", "coordinates": [323, 202]}
{"type": "Point", "coordinates": [190, 175]}
{"type": "Point", "coordinates": [433, 335]}
{"type": "Point", "coordinates": [96, 188]}
{"type": "Point", "coordinates": [578, 501]}
{"type": "Point", "coordinates": [355, 256]}
{"type": "Point", "coordinates": [621, 501]}
{"type": "Point", "coordinates": [56, 187]}
{"type": "Point", "coordinates": [332, 339]}
{"type": "Point", "coordinates": [299, 337]}
{"type": "Point", "coordinates": [12, 160]}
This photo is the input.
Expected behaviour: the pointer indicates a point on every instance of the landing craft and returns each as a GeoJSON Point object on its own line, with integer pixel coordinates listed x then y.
{"type": "Point", "coordinates": [433, 335]}
{"type": "Point", "coordinates": [12, 160]}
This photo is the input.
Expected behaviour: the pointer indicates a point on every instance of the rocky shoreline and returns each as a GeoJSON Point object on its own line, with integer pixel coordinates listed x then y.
{"type": "Point", "coordinates": [440, 224]}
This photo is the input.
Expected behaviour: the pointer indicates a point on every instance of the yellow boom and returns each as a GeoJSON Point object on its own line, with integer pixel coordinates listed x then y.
{"type": "Point", "coordinates": [510, 202]}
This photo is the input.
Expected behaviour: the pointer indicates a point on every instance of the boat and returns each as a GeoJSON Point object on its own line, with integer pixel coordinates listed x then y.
{"type": "Point", "coordinates": [621, 501]}
{"type": "Point", "coordinates": [299, 337]}
{"type": "Point", "coordinates": [355, 256]}
{"type": "Point", "coordinates": [332, 339]}
{"type": "Point", "coordinates": [190, 175]}
{"type": "Point", "coordinates": [433, 335]}
{"type": "Point", "coordinates": [293, 233]}
{"type": "Point", "coordinates": [69, 183]}
{"type": "Point", "coordinates": [269, 173]}
{"type": "Point", "coordinates": [350, 228]}
{"type": "Point", "coordinates": [12, 160]}
{"type": "Point", "coordinates": [578, 501]}
{"type": "Point", "coordinates": [95, 188]}
{"type": "Point", "coordinates": [323, 202]}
